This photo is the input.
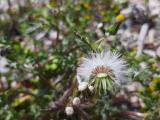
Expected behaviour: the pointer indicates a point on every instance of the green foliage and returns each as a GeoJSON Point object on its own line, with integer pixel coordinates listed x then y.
{"type": "Point", "coordinates": [43, 43]}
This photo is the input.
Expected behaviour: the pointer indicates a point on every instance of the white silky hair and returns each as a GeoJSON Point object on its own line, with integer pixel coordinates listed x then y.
{"type": "Point", "coordinates": [106, 59]}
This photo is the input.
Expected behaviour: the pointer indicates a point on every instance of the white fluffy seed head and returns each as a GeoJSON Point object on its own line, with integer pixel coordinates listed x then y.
{"type": "Point", "coordinates": [91, 88]}
{"type": "Point", "coordinates": [82, 86]}
{"type": "Point", "coordinates": [105, 59]}
{"type": "Point", "coordinates": [69, 111]}
{"type": "Point", "coordinates": [76, 101]}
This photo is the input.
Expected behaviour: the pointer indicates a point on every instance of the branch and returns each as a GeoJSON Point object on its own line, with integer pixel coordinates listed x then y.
{"type": "Point", "coordinates": [128, 114]}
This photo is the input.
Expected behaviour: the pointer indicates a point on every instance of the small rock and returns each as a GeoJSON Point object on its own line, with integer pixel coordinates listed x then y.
{"type": "Point", "coordinates": [52, 35]}
{"type": "Point", "coordinates": [158, 51]}
{"type": "Point", "coordinates": [99, 25]}
{"type": "Point", "coordinates": [3, 65]}
{"type": "Point", "coordinates": [134, 99]}
{"type": "Point", "coordinates": [135, 86]}
{"type": "Point", "coordinates": [150, 53]}
{"type": "Point", "coordinates": [40, 35]}
{"type": "Point", "coordinates": [151, 35]}
{"type": "Point", "coordinates": [4, 5]}
{"type": "Point", "coordinates": [99, 33]}
{"type": "Point", "coordinates": [126, 12]}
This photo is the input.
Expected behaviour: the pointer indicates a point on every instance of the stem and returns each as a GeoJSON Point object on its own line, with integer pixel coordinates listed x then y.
{"type": "Point", "coordinates": [127, 114]}
{"type": "Point", "coordinates": [85, 40]}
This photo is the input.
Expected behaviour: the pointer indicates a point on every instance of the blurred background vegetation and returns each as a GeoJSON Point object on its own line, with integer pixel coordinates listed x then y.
{"type": "Point", "coordinates": [40, 48]}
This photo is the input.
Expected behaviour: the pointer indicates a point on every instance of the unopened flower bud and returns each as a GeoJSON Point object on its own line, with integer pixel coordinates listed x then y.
{"type": "Point", "coordinates": [82, 86]}
{"type": "Point", "coordinates": [76, 101]}
{"type": "Point", "coordinates": [69, 111]}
